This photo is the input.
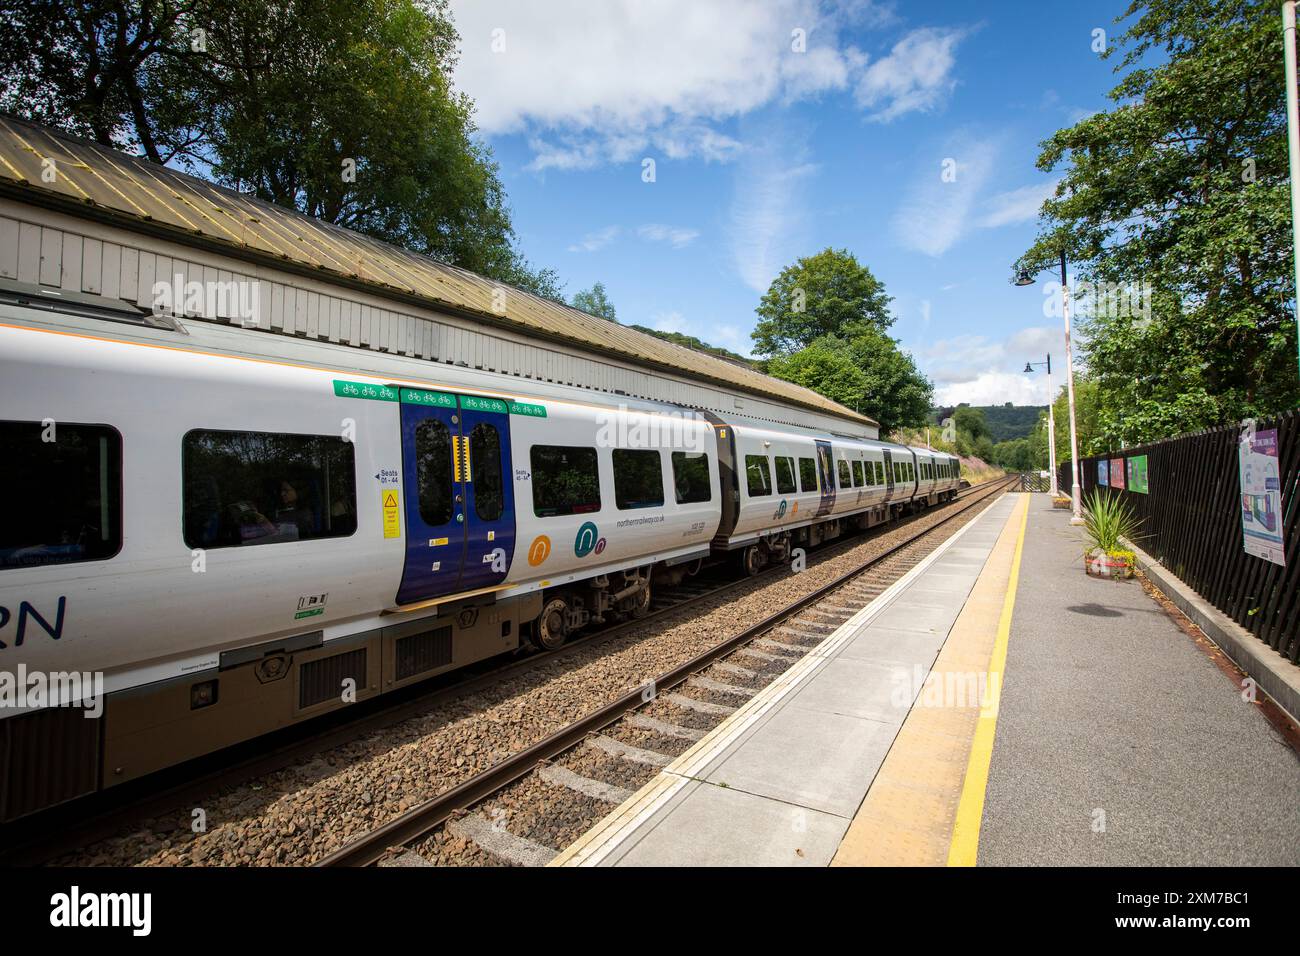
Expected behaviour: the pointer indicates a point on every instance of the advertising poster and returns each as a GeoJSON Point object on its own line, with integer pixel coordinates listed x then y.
{"type": "Point", "coordinates": [1261, 496]}
{"type": "Point", "coordinates": [1117, 472]}
{"type": "Point", "coordinates": [1137, 474]}
{"type": "Point", "coordinates": [1103, 473]}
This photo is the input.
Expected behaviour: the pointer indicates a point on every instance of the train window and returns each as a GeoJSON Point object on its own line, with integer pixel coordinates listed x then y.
{"type": "Point", "coordinates": [433, 474]}
{"type": "Point", "coordinates": [857, 474]}
{"type": "Point", "coordinates": [565, 480]}
{"type": "Point", "coordinates": [691, 477]}
{"type": "Point", "coordinates": [845, 480]}
{"type": "Point", "coordinates": [807, 474]}
{"type": "Point", "coordinates": [871, 472]}
{"type": "Point", "coordinates": [250, 488]}
{"type": "Point", "coordinates": [757, 475]}
{"type": "Point", "coordinates": [485, 471]}
{"type": "Point", "coordinates": [785, 475]}
{"type": "Point", "coordinates": [880, 472]}
{"type": "Point", "coordinates": [638, 479]}
{"type": "Point", "coordinates": [61, 488]}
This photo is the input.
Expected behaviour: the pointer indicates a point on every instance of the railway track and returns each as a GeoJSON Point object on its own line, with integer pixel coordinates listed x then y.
{"type": "Point", "coordinates": [63, 832]}
{"type": "Point", "coordinates": [525, 809]}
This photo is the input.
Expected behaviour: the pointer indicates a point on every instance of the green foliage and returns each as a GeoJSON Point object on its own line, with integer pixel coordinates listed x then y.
{"type": "Point", "coordinates": [825, 367]}
{"type": "Point", "coordinates": [829, 293]}
{"type": "Point", "coordinates": [1088, 415]}
{"type": "Point", "coordinates": [1106, 519]}
{"type": "Point", "coordinates": [122, 74]}
{"type": "Point", "coordinates": [1183, 185]}
{"type": "Point", "coordinates": [281, 100]}
{"type": "Point", "coordinates": [867, 373]}
{"type": "Point", "coordinates": [1005, 422]}
{"type": "Point", "coordinates": [593, 301]}
{"type": "Point", "coordinates": [823, 323]}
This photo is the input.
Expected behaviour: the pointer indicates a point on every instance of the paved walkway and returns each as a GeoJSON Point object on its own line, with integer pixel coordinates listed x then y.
{"type": "Point", "coordinates": [1111, 715]}
{"type": "Point", "coordinates": [779, 782]}
{"type": "Point", "coordinates": [1113, 741]}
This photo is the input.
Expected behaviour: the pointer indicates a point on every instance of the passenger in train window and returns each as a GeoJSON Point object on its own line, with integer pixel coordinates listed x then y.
{"type": "Point", "coordinates": [291, 518]}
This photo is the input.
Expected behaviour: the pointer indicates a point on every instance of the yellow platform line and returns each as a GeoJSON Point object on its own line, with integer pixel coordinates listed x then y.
{"type": "Point", "coordinates": [909, 811]}
{"type": "Point", "coordinates": [970, 812]}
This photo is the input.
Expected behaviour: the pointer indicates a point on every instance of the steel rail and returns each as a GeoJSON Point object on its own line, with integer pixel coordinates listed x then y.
{"type": "Point", "coordinates": [421, 819]}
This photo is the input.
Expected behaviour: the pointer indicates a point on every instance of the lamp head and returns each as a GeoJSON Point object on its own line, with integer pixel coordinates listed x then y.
{"type": "Point", "coordinates": [1028, 368]}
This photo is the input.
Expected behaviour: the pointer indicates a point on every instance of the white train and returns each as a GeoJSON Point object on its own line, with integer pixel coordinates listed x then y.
{"type": "Point", "coordinates": [241, 531]}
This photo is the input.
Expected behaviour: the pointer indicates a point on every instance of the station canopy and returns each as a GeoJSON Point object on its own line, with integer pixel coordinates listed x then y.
{"type": "Point", "coordinates": [135, 194]}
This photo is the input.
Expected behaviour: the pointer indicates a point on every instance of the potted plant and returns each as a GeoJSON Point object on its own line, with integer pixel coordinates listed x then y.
{"type": "Point", "coordinates": [1107, 520]}
{"type": "Point", "coordinates": [1060, 501]}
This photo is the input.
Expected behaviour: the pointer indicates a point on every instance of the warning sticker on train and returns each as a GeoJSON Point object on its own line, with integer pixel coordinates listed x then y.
{"type": "Point", "coordinates": [389, 500]}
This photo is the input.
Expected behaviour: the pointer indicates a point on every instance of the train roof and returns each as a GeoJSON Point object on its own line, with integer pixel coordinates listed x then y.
{"type": "Point", "coordinates": [97, 182]}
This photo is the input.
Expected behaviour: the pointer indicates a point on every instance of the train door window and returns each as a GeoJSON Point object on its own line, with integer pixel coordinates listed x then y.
{"type": "Point", "coordinates": [807, 474]}
{"type": "Point", "coordinates": [857, 474]}
{"type": "Point", "coordinates": [757, 476]}
{"type": "Point", "coordinates": [638, 479]}
{"type": "Point", "coordinates": [250, 488]}
{"type": "Point", "coordinates": [60, 493]}
{"type": "Point", "coordinates": [485, 471]}
{"type": "Point", "coordinates": [691, 477]}
{"type": "Point", "coordinates": [845, 480]}
{"type": "Point", "coordinates": [785, 475]}
{"type": "Point", "coordinates": [566, 480]}
{"type": "Point", "coordinates": [433, 471]}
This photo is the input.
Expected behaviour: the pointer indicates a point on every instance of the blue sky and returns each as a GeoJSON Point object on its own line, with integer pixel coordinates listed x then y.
{"type": "Point", "coordinates": [764, 153]}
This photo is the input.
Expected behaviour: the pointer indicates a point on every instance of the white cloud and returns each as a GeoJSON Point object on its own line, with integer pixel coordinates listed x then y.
{"type": "Point", "coordinates": [593, 81]}
{"type": "Point", "coordinates": [1018, 205]}
{"type": "Point", "coordinates": [768, 211]}
{"type": "Point", "coordinates": [936, 212]}
{"type": "Point", "coordinates": [975, 369]}
{"type": "Point", "coordinates": [595, 241]}
{"type": "Point", "coordinates": [916, 75]}
{"type": "Point", "coordinates": [676, 236]}
{"type": "Point", "coordinates": [993, 388]}
{"type": "Point", "coordinates": [671, 321]}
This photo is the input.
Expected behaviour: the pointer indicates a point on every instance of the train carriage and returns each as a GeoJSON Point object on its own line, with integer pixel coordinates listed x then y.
{"type": "Point", "coordinates": [238, 523]}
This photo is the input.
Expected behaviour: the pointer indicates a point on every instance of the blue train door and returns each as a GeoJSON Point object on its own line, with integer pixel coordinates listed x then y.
{"type": "Point", "coordinates": [435, 495]}
{"type": "Point", "coordinates": [454, 528]}
{"type": "Point", "coordinates": [826, 475]}
{"type": "Point", "coordinates": [489, 491]}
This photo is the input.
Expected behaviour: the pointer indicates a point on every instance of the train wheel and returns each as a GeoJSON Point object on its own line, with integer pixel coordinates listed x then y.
{"type": "Point", "coordinates": [552, 625]}
{"type": "Point", "coordinates": [752, 560]}
{"type": "Point", "coordinates": [641, 603]}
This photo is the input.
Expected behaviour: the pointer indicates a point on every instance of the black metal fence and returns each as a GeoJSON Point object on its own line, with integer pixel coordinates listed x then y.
{"type": "Point", "coordinates": [1187, 492]}
{"type": "Point", "coordinates": [1034, 481]}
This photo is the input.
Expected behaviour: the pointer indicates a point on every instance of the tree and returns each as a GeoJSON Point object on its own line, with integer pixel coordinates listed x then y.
{"type": "Point", "coordinates": [825, 367]}
{"type": "Point", "coordinates": [867, 373]}
{"type": "Point", "coordinates": [1089, 418]}
{"type": "Point", "coordinates": [340, 109]}
{"type": "Point", "coordinates": [122, 74]}
{"type": "Point", "coordinates": [826, 294]}
{"type": "Point", "coordinates": [1181, 192]}
{"type": "Point", "coordinates": [593, 301]}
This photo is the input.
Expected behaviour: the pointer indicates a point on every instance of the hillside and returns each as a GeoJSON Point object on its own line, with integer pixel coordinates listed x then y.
{"type": "Point", "coordinates": [691, 342]}
{"type": "Point", "coordinates": [1006, 422]}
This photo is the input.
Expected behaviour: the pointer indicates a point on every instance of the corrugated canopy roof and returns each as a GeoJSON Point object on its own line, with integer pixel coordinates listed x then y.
{"type": "Point", "coordinates": [138, 194]}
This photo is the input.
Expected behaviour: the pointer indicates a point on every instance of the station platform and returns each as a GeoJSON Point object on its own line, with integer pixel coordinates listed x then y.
{"type": "Point", "coordinates": [994, 706]}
